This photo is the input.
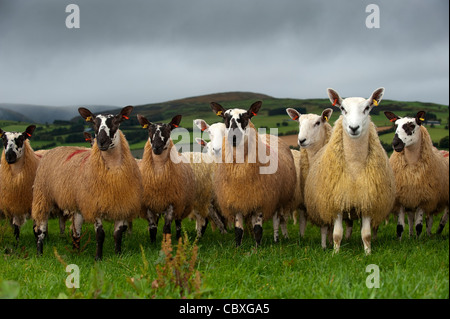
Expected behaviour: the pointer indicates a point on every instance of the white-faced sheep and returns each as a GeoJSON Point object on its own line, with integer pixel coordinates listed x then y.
{"type": "Point", "coordinates": [421, 174]}
{"type": "Point", "coordinates": [168, 181]}
{"type": "Point", "coordinates": [102, 182]}
{"type": "Point", "coordinates": [248, 181]}
{"type": "Point", "coordinates": [314, 133]}
{"type": "Point", "coordinates": [351, 176]}
{"type": "Point", "coordinates": [17, 172]}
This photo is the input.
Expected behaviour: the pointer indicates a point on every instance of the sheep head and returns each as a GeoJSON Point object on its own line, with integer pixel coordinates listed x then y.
{"type": "Point", "coordinates": [311, 126]}
{"type": "Point", "coordinates": [406, 132]}
{"type": "Point", "coordinates": [355, 111]}
{"type": "Point", "coordinates": [106, 126]}
{"type": "Point", "coordinates": [13, 142]}
{"type": "Point", "coordinates": [236, 121]}
{"type": "Point", "coordinates": [159, 133]}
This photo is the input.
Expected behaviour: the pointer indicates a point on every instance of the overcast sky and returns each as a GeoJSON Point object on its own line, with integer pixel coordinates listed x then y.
{"type": "Point", "coordinates": [137, 52]}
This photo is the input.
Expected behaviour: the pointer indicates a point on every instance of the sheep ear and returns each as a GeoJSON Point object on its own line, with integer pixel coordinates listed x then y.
{"type": "Point", "coordinates": [201, 124]}
{"type": "Point", "coordinates": [334, 97]}
{"type": "Point", "coordinates": [200, 141]}
{"type": "Point", "coordinates": [391, 116]}
{"type": "Point", "coordinates": [293, 114]}
{"type": "Point", "coordinates": [86, 114]}
{"type": "Point", "coordinates": [326, 114]}
{"type": "Point", "coordinates": [218, 109]}
{"type": "Point", "coordinates": [1, 132]}
{"type": "Point", "coordinates": [29, 131]}
{"type": "Point", "coordinates": [254, 109]}
{"type": "Point", "coordinates": [376, 97]}
{"type": "Point", "coordinates": [87, 137]}
{"type": "Point", "coordinates": [175, 122]}
{"type": "Point", "coordinates": [124, 113]}
{"type": "Point", "coordinates": [143, 121]}
{"type": "Point", "coordinates": [420, 117]}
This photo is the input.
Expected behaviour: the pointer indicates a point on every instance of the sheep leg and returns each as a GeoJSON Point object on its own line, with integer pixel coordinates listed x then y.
{"type": "Point", "coordinates": [40, 232]}
{"type": "Point", "coordinates": [419, 221]}
{"type": "Point", "coordinates": [119, 228]}
{"type": "Point", "coordinates": [323, 236]}
{"type": "Point", "coordinates": [338, 231]}
{"type": "Point", "coordinates": [283, 224]}
{"type": "Point", "coordinates": [216, 219]}
{"type": "Point", "coordinates": [77, 223]}
{"type": "Point", "coordinates": [100, 237]}
{"type": "Point", "coordinates": [348, 228]}
{"type": "Point", "coordinates": [16, 223]}
{"type": "Point", "coordinates": [302, 222]}
{"type": "Point", "coordinates": [152, 225]}
{"type": "Point", "coordinates": [276, 226]}
{"type": "Point", "coordinates": [63, 216]}
{"type": "Point", "coordinates": [168, 217]}
{"type": "Point", "coordinates": [257, 220]}
{"type": "Point", "coordinates": [443, 222]}
{"type": "Point", "coordinates": [429, 222]}
{"type": "Point", "coordinates": [400, 222]}
{"type": "Point", "coordinates": [411, 223]}
{"type": "Point", "coordinates": [200, 224]}
{"type": "Point", "coordinates": [178, 228]}
{"type": "Point", "coordinates": [238, 228]}
{"type": "Point", "coordinates": [366, 234]}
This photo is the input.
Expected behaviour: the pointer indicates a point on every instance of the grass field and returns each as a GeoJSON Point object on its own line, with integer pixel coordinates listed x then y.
{"type": "Point", "coordinates": [291, 269]}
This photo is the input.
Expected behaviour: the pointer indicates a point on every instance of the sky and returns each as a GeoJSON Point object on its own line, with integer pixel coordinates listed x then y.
{"type": "Point", "coordinates": [138, 52]}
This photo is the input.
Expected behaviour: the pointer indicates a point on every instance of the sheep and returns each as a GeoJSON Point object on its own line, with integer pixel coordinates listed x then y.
{"type": "Point", "coordinates": [167, 185]}
{"type": "Point", "coordinates": [351, 176]}
{"type": "Point", "coordinates": [102, 182]}
{"type": "Point", "coordinates": [203, 168]}
{"type": "Point", "coordinates": [314, 133]}
{"type": "Point", "coordinates": [421, 174]}
{"type": "Point", "coordinates": [216, 132]}
{"type": "Point", "coordinates": [17, 173]}
{"type": "Point", "coordinates": [244, 185]}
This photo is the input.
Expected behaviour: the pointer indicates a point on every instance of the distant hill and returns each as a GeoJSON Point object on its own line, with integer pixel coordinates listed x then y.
{"type": "Point", "coordinates": [44, 114]}
{"type": "Point", "coordinates": [9, 115]}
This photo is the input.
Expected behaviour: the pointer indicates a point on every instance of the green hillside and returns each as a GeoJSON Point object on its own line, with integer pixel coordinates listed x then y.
{"type": "Point", "coordinates": [272, 115]}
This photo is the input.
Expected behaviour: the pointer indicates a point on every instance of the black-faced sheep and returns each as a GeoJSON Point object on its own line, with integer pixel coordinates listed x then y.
{"type": "Point", "coordinates": [421, 173]}
{"type": "Point", "coordinates": [168, 179]}
{"type": "Point", "coordinates": [249, 181]}
{"type": "Point", "coordinates": [101, 183]}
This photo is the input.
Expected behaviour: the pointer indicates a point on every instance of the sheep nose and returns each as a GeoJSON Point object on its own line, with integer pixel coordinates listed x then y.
{"type": "Point", "coordinates": [354, 129]}
{"type": "Point", "coordinates": [216, 151]}
{"type": "Point", "coordinates": [300, 142]}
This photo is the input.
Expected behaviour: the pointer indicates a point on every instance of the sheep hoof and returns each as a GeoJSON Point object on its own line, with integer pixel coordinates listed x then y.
{"type": "Point", "coordinates": [418, 230]}
{"type": "Point", "coordinates": [16, 232]}
{"type": "Point", "coordinates": [238, 234]}
{"type": "Point", "coordinates": [399, 231]}
{"type": "Point", "coordinates": [257, 230]}
{"type": "Point", "coordinates": [440, 229]}
{"type": "Point", "coordinates": [152, 231]}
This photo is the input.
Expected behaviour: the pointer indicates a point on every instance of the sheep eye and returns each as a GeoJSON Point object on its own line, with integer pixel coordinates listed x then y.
{"type": "Point", "coordinates": [342, 109]}
{"type": "Point", "coordinates": [317, 123]}
{"type": "Point", "coordinates": [366, 109]}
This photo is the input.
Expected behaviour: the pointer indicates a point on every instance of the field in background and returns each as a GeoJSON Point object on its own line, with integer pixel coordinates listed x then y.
{"type": "Point", "coordinates": [271, 115]}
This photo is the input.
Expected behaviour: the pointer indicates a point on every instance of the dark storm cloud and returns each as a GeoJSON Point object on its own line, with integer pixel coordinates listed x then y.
{"type": "Point", "coordinates": [134, 52]}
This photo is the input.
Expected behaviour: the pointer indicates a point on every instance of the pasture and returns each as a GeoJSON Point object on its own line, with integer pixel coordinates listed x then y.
{"type": "Point", "coordinates": [294, 268]}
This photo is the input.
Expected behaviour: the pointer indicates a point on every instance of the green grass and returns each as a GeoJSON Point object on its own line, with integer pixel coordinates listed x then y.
{"type": "Point", "coordinates": [291, 269]}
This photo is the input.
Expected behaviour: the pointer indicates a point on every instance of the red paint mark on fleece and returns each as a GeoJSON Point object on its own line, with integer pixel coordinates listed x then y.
{"type": "Point", "coordinates": [74, 153]}
{"type": "Point", "coordinates": [85, 159]}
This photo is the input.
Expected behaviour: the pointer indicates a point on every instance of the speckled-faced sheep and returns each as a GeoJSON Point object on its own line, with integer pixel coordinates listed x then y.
{"type": "Point", "coordinates": [314, 133]}
{"type": "Point", "coordinates": [17, 172]}
{"type": "Point", "coordinates": [249, 181]}
{"type": "Point", "coordinates": [421, 173]}
{"type": "Point", "coordinates": [351, 176]}
{"type": "Point", "coordinates": [102, 182]}
{"type": "Point", "coordinates": [168, 181]}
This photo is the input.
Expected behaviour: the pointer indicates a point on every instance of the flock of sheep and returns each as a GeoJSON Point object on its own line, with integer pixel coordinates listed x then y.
{"type": "Point", "coordinates": [341, 173]}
